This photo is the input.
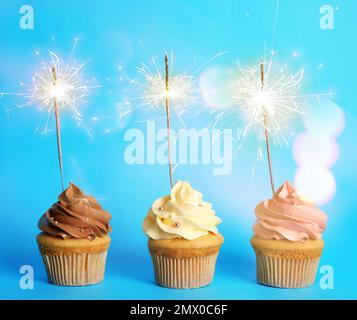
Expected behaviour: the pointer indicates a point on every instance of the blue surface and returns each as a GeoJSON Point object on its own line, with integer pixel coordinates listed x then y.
{"type": "Point", "coordinates": [116, 33]}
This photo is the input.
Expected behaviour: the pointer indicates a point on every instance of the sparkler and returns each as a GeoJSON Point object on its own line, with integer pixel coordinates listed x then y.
{"type": "Point", "coordinates": [148, 90]}
{"type": "Point", "coordinates": [173, 92]}
{"type": "Point", "coordinates": [265, 96]}
{"type": "Point", "coordinates": [268, 98]}
{"type": "Point", "coordinates": [154, 87]}
{"type": "Point", "coordinates": [157, 88]}
{"type": "Point", "coordinates": [59, 86]}
{"type": "Point", "coordinates": [56, 87]}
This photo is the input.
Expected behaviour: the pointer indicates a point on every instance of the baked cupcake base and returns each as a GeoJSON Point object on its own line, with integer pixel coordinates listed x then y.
{"type": "Point", "coordinates": [286, 264]}
{"type": "Point", "coordinates": [185, 264]}
{"type": "Point", "coordinates": [74, 262]}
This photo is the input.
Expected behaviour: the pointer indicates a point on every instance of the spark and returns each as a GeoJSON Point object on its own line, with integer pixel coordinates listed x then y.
{"type": "Point", "coordinates": [257, 108]}
{"type": "Point", "coordinates": [147, 91]}
{"type": "Point", "coordinates": [70, 89]}
{"type": "Point", "coordinates": [154, 92]}
{"type": "Point", "coordinates": [272, 105]}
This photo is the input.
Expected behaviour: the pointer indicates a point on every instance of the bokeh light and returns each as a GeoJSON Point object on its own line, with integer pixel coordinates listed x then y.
{"type": "Point", "coordinates": [315, 184]}
{"type": "Point", "coordinates": [316, 150]}
{"type": "Point", "coordinates": [217, 86]}
{"type": "Point", "coordinates": [324, 117]}
{"type": "Point", "coordinates": [310, 149]}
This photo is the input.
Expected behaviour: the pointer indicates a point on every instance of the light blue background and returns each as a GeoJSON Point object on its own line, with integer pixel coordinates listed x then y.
{"type": "Point", "coordinates": [128, 33]}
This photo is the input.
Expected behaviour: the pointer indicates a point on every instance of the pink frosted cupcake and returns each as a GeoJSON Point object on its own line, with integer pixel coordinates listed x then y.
{"type": "Point", "coordinates": [287, 240]}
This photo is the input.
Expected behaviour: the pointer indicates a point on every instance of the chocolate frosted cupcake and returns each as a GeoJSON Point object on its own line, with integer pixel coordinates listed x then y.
{"type": "Point", "coordinates": [183, 238]}
{"type": "Point", "coordinates": [74, 241]}
{"type": "Point", "coordinates": [288, 240]}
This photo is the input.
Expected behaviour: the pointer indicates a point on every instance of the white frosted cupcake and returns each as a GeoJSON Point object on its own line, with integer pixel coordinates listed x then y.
{"type": "Point", "coordinates": [183, 238]}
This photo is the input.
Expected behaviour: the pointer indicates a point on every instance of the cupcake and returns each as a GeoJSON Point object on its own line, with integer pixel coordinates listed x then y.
{"type": "Point", "coordinates": [74, 241]}
{"type": "Point", "coordinates": [287, 240]}
{"type": "Point", "coordinates": [183, 238]}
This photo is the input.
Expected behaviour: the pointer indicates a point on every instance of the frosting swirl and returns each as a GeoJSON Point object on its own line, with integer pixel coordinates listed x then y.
{"type": "Point", "coordinates": [287, 217]}
{"type": "Point", "coordinates": [75, 215]}
{"type": "Point", "coordinates": [183, 214]}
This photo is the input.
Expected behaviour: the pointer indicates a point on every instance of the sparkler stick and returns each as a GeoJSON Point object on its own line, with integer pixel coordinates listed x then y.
{"type": "Point", "coordinates": [266, 132]}
{"type": "Point", "coordinates": [168, 122]}
{"type": "Point", "coordinates": [58, 127]}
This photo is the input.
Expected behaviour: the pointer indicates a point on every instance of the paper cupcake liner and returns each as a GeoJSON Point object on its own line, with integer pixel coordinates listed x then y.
{"type": "Point", "coordinates": [184, 273]}
{"type": "Point", "coordinates": [286, 273]}
{"type": "Point", "coordinates": [76, 269]}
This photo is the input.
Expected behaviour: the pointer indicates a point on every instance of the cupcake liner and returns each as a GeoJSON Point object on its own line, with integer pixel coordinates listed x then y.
{"type": "Point", "coordinates": [184, 273]}
{"type": "Point", "coordinates": [286, 272]}
{"type": "Point", "coordinates": [76, 269]}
